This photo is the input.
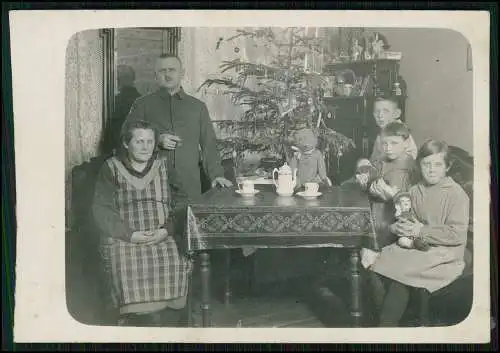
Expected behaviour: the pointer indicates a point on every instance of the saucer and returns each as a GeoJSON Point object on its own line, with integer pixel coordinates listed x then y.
{"type": "Point", "coordinates": [247, 194]}
{"type": "Point", "coordinates": [309, 196]}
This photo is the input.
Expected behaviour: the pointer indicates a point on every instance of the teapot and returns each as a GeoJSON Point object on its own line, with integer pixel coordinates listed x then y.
{"type": "Point", "coordinates": [286, 181]}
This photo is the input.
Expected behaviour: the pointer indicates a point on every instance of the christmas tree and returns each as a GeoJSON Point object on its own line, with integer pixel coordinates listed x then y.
{"type": "Point", "coordinates": [286, 95]}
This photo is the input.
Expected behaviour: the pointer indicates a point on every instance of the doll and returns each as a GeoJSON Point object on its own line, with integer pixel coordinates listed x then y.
{"type": "Point", "coordinates": [357, 51]}
{"type": "Point", "coordinates": [402, 204]}
{"type": "Point", "coordinates": [379, 44]}
{"type": "Point", "coordinates": [366, 170]}
{"type": "Point", "coordinates": [308, 159]}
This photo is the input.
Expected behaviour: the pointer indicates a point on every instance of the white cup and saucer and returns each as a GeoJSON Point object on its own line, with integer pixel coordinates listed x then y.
{"type": "Point", "coordinates": [311, 191]}
{"type": "Point", "coordinates": [246, 188]}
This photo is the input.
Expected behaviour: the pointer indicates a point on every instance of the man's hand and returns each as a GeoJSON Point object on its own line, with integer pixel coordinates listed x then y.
{"type": "Point", "coordinates": [169, 141]}
{"type": "Point", "coordinates": [222, 182]}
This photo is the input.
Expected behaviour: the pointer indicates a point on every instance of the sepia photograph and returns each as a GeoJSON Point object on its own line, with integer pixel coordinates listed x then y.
{"type": "Point", "coordinates": [270, 176]}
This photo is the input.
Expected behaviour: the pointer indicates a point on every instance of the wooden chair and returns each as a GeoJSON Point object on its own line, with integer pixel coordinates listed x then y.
{"type": "Point", "coordinates": [82, 241]}
{"type": "Point", "coordinates": [462, 171]}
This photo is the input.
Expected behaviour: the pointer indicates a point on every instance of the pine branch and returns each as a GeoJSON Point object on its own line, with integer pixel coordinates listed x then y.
{"type": "Point", "coordinates": [259, 33]}
{"type": "Point", "coordinates": [223, 82]}
{"type": "Point", "coordinates": [263, 126]}
{"type": "Point", "coordinates": [235, 125]}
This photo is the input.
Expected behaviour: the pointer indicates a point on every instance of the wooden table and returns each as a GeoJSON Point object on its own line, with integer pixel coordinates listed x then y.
{"type": "Point", "coordinates": [222, 219]}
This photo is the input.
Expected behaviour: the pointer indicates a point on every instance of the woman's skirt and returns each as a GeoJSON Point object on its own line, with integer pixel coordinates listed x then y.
{"type": "Point", "coordinates": [140, 273]}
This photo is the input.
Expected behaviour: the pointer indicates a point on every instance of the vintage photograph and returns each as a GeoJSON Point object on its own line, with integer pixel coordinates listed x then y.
{"type": "Point", "coordinates": [269, 177]}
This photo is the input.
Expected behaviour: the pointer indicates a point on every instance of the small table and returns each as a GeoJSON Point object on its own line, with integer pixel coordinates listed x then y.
{"type": "Point", "coordinates": [222, 219]}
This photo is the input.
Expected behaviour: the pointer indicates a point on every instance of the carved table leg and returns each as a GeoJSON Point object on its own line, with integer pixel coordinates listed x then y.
{"type": "Point", "coordinates": [227, 291]}
{"type": "Point", "coordinates": [356, 313]}
{"type": "Point", "coordinates": [205, 288]}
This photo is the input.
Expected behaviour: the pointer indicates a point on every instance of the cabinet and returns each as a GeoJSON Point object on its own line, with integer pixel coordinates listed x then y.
{"type": "Point", "coordinates": [352, 115]}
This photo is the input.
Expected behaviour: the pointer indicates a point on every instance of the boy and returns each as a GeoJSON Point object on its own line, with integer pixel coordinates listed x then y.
{"type": "Point", "coordinates": [385, 111]}
{"type": "Point", "coordinates": [395, 169]}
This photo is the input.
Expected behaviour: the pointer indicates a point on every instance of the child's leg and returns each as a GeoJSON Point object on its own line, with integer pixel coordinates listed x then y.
{"type": "Point", "coordinates": [378, 289]}
{"type": "Point", "coordinates": [395, 304]}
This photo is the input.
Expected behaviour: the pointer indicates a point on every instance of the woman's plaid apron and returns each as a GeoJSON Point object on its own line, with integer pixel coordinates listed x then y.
{"type": "Point", "coordinates": [143, 273]}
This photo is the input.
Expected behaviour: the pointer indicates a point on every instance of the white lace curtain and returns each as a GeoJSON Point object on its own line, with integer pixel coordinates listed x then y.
{"type": "Point", "coordinates": [84, 77]}
{"type": "Point", "coordinates": [83, 102]}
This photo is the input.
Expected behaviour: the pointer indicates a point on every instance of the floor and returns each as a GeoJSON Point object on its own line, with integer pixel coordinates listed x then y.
{"type": "Point", "coordinates": [296, 302]}
{"type": "Point", "coordinates": [277, 305]}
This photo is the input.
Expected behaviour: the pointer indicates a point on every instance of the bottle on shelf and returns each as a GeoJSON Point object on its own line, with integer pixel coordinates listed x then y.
{"type": "Point", "coordinates": [396, 90]}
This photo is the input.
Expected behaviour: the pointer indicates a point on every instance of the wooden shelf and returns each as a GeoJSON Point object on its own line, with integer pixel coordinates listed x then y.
{"type": "Point", "coordinates": [342, 98]}
{"type": "Point", "coordinates": [329, 68]}
{"type": "Point", "coordinates": [345, 98]}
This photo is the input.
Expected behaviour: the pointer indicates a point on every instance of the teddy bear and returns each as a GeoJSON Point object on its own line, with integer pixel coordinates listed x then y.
{"type": "Point", "coordinates": [308, 159]}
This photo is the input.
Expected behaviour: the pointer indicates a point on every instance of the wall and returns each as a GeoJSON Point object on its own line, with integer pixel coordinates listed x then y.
{"type": "Point", "coordinates": [439, 86]}
{"type": "Point", "coordinates": [202, 59]}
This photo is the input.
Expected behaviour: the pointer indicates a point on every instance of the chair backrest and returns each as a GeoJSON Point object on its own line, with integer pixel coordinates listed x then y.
{"type": "Point", "coordinates": [462, 171]}
{"type": "Point", "coordinates": [83, 179]}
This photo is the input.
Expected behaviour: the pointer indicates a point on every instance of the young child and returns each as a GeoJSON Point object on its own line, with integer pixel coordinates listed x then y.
{"type": "Point", "coordinates": [385, 111]}
{"type": "Point", "coordinates": [394, 175]}
{"type": "Point", "coordinates": [441, 218]}
{"type": "Point", "coordinates": [308, 160]}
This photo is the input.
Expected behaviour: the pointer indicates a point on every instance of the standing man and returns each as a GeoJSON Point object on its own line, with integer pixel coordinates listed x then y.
{"type": "Point", "coordinates": [186, 132]}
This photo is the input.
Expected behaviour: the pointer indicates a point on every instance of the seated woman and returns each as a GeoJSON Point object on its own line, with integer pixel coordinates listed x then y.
{"type": "Point", "coordinates": [441, 217]}
{"type": "Point", "coordinates": [148, 277]}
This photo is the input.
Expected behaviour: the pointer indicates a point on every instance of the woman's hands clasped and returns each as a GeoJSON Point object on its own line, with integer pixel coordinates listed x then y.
{"type": "Point", "coordinates": [149, 237]}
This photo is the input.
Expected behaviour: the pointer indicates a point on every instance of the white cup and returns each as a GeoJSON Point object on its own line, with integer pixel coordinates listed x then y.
{"type": "Point", "coordinates": [246, 186]}
{"type": "Point", "coordinates": [311, 188]}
